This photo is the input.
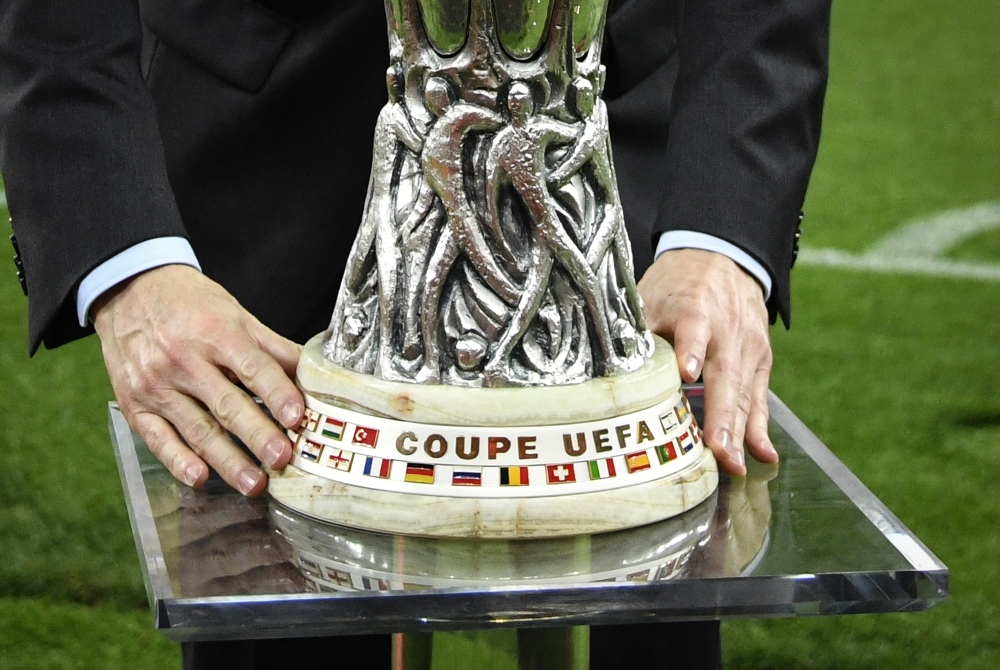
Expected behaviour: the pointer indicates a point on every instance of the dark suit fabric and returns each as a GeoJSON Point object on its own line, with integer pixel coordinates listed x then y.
{"type": "Point", "coordinates": [249, 132]}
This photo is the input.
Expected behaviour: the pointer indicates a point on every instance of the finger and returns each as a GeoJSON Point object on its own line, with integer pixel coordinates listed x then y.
{"type": "Point", "coordinates": [261, 373]}
{"type": "Point", "coordinates": [723, 379]}
{"type": "Point", "coordinates": [691, 338]}
{"type": "Point", "coordinates": [208, 440]}
{"type": "Point", "coordinates": [743, 406]}
{"type": "Point", "coordinates": [758, 442]}
{"type": "Point", "coordinates": [168, 448]}
{"type": "Point", "coordinates": [240, 415]}
{"type": "Point", "coordinates": [284, 351]}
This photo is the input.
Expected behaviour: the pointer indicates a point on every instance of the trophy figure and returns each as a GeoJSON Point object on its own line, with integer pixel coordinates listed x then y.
{"type": "Point", "coordinates": [488, 371]}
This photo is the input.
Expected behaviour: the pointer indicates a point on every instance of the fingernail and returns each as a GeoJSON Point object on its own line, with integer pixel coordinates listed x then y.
{"type": "Point", "coordinates": [290, 414]}
{"type": "Point", "coordinates": [192, 474]}
{"type": "Point", "coordinates": [272, 452]}
{"type": "Point", "coordinates": [692, 367]}
{"type": "Point", "coordinates": [737, 455]}
{"type": "Point", "coordinates": [723, 438]}
{"type": "Point", "coordinates": [248, 480]}
{"type": "Point", "coordinates": [771, 451]}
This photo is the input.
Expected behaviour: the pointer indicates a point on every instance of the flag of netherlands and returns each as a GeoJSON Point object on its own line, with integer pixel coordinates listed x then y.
{"type": "Point", "coordinates": [668, 421]}
{"type": "Point", "coordinates": [681, 410]}
{"type": "Point", "coordinates": [561, 473]}
{"type": "Point", "coordinates": [515, 475]}
{"type": "Point", "coordinates": [602, 468]}
{"type": "Point", "coordinates": [687, 444]}
{"type": "Point", "coordinates": [637, 462]}
{"type": "Point", "coordinates": [333, 429]}
{"type": "Point", "coordinates": [377, 467]}
{"type": "Point", "coordinates": [365, 437]}
{"type": "Point", "coordinates": [419, 473]}
{"type": "Point", "coordinates": [310, 450]}
{"type": "Point", "coordinates": [667, 452]}
{"type": "Point", "coordinates": [339, 460]}
{"type": "Point", "coordinates": [309, 420]}
{"type": "Point", "coordinates": [467, 477]}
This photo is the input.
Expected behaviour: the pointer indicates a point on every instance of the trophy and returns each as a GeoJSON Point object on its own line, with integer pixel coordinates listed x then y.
{"type": "Point", "coordinates": [488, 371]}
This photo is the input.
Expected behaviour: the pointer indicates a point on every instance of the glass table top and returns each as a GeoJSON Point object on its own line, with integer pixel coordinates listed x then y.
{"type": "Point", "coordinates": [805, 537]}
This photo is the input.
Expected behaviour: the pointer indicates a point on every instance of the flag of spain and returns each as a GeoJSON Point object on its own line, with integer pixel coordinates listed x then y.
{"type": "Point", "coordinates": [637, 461]}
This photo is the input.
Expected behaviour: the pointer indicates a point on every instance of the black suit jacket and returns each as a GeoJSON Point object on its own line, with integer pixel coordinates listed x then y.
{"type": "Point", "coordinates": [247, 127]}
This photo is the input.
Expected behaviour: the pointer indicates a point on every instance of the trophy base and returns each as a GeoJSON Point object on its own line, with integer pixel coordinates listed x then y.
{"type": "Point", "coordinates": [444, 461]}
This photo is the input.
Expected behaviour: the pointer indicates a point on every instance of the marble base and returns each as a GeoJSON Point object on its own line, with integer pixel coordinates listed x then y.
{"type": "Point", "coordinates": [318, 482]}
{"type": "Point", "coordinates": [498, 518]}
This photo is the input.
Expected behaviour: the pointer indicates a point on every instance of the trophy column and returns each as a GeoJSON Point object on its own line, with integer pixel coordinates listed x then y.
{"type": "Point", "coordinates": [488, 371]}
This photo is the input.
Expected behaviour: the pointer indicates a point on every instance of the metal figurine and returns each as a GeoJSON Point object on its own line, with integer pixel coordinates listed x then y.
{"type": "Point", "coordinates": [493, 249]}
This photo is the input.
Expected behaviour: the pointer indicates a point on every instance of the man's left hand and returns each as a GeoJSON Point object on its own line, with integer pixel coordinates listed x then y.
{"type": "Point", "coordinates": [713, 313]}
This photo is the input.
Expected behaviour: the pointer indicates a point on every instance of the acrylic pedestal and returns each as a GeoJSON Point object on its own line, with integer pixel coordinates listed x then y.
{"type": "Point", "coordinates": [803, 539]}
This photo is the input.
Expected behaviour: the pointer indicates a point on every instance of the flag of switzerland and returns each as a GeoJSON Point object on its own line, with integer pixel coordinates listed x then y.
{"type": "Point", "coordinates": [560, 474]}
{"type": "Point", "coordinates": [365, 436]}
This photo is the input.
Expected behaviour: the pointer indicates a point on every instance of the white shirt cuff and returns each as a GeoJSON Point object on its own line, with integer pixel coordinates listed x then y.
{"type": "Point", "coordinates": [144, 256]}
{"type": "Point", "coordinates": [688, 239]}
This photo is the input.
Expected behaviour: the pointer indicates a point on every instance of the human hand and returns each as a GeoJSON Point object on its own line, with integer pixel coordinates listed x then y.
{"type": "Point", "coordinates": [175, 344]}
{"type": "Point", "coordinates": [713, 312]}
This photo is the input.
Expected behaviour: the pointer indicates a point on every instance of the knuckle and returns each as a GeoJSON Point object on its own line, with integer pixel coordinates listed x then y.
{"type": "Point", "coordinates": [228, 405]}
{"type": "Point", "coordinates": [200, 431]}
{"type": "Point", "coordinates": [231, 465]}
{"type": "Point", "coordinates": [251, 367]}
{"type": "Point", "coordinates": [177, 465]}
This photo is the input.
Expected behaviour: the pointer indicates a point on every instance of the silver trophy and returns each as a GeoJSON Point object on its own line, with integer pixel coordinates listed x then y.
{"type": "Point", "coordinates": [488, 371]}
{"type": "Point", "coordinates": [493, 249]}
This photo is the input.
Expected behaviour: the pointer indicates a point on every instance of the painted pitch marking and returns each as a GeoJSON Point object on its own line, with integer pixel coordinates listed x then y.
{"type": "Point", "coordinates": [916, 247]}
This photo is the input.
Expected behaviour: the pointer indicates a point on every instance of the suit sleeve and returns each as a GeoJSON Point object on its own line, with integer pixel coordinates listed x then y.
{"type": "Point", "coordinates": [745, 125]}
{"type": "Point", "coordinates": [732, 104]}
{"type": "Point", "coordinates": [80, 150]}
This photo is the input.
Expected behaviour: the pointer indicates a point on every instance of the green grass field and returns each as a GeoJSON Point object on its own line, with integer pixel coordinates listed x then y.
{"type": "Point", "coordinates": [899, 374]}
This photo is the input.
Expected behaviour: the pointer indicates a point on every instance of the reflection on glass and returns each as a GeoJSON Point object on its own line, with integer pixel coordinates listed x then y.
{"type": "Point", "coordinates": [336, 558]}
{"type": "Point", "coordinates": [446, 23]}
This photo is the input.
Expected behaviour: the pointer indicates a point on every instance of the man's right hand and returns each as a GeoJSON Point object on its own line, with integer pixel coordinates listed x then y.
{"type": "Point", "coordinates": [175, 343]}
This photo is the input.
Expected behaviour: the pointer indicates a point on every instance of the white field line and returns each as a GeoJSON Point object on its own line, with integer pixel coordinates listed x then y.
{"type": "Point", "coordinates": [916, 247]}
{"type": "Point", "coordinates": [3, 199]}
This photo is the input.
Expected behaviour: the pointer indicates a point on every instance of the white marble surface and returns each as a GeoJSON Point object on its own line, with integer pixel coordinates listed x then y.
{"type": "Point", "coordinates": [496, 518]}
{"type": "Point", "coordinates": [596, 399]}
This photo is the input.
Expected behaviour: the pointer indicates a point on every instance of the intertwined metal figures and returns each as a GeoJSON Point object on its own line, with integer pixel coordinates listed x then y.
{"type": "Point", "coordinates": [493, 250]}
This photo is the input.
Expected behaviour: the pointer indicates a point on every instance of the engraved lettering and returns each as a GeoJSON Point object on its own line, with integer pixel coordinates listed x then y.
{"type": "Point", "coordinates": [623, 432]}
{"type": "Point", "coordinates": [601, 440]}
{"type": "Point", "coordinates": [497, 445]}
{"type": "Point", "coordinates": [473, 448]}
{"type": "Point", "coordinates": [526, 447]}
{"type": "Point", "coordinates": [644, 434]}
{"type": "Point", "coordinates": [440, 441]}
{"type": "Point", "coordinates": [581, 442]}
{"type": "Point", "coordinates": [401, 443]}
